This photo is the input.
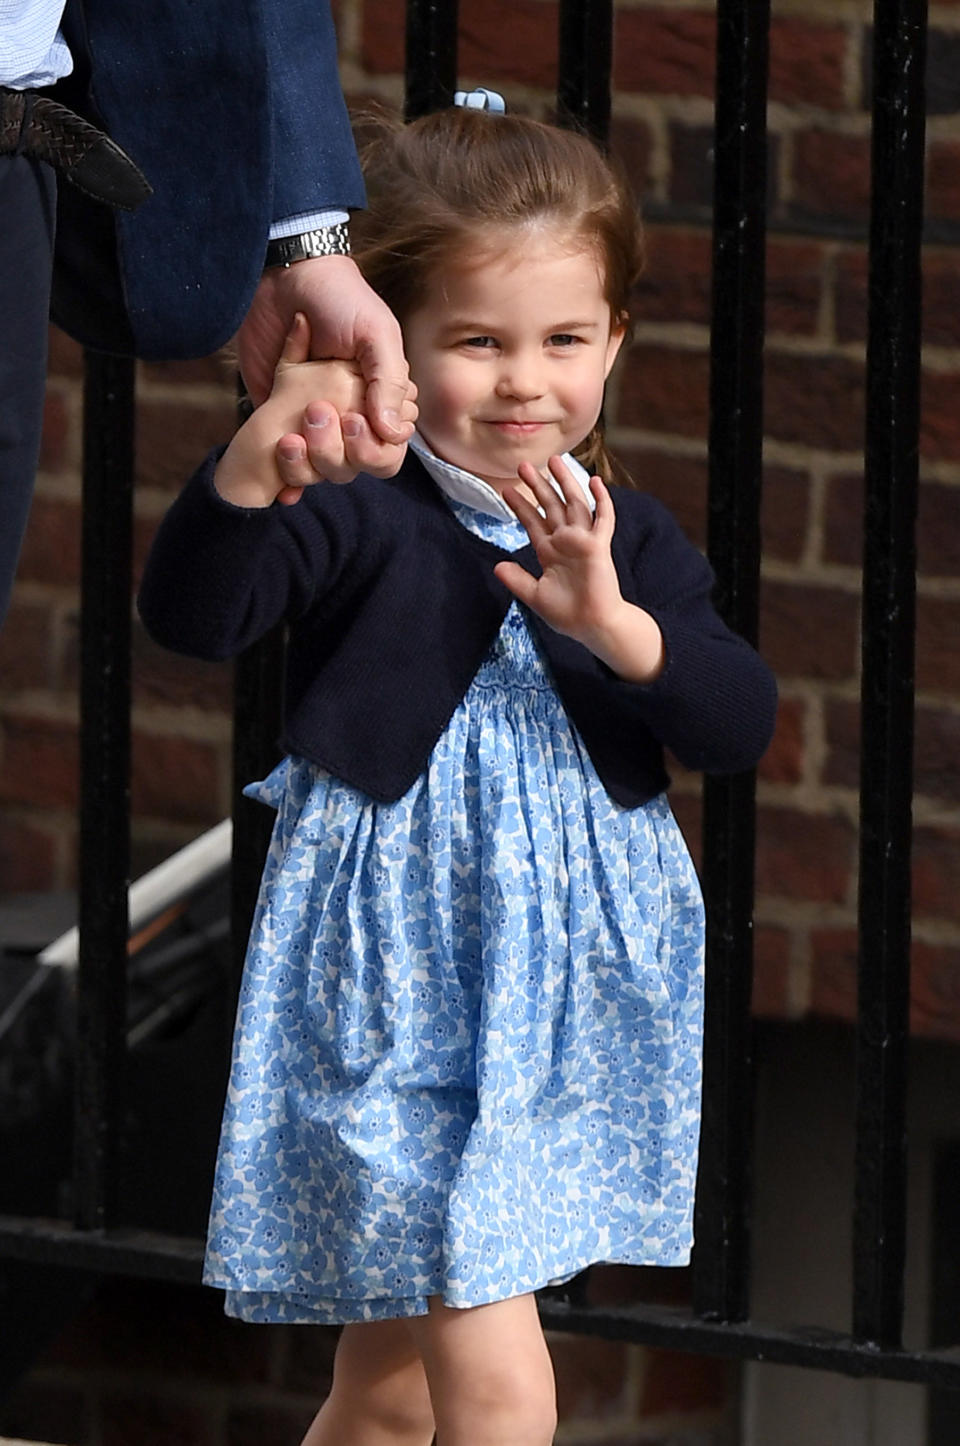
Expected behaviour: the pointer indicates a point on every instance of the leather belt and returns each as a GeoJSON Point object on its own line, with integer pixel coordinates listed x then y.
{"type": "Point", "coordinates": [33, 125]}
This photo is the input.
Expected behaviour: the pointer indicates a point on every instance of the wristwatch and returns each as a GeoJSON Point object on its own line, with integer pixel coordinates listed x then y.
{"type": "Point", "coordinates": [324, 241]}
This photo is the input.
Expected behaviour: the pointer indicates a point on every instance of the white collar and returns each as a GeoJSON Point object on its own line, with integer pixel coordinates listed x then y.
{"type": "Point", "coordinates": [462, 486]}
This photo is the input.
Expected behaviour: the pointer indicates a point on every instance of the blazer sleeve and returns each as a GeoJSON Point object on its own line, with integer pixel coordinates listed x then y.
{"type": "Point", "coordinates": [233, 109]}
{"type": "Point", "coordinates": [714, 702]}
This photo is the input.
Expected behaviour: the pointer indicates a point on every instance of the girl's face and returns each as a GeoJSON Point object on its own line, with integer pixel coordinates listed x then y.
{"type": "Point", "coordinates": [510, 354]}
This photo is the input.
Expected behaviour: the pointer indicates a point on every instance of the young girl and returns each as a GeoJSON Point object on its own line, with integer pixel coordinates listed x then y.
{"type": "Point", "coordinates": [467, 1059]}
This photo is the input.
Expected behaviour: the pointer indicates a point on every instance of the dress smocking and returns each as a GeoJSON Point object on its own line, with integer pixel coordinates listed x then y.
{"type": "Point", "coordinates": [467, 1055]}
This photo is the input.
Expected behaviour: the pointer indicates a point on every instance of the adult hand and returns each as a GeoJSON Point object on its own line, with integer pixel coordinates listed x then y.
{"type": "Point", "coordinates": [320, 408]}
{"type": "Point", "coordinates": [348, 322]}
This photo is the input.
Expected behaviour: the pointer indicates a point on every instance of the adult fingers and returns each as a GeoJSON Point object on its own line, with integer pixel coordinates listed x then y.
{"type": "Point", "coordinates": [296, 344]}
{"type": "Point", "coordinates": [384, 366]}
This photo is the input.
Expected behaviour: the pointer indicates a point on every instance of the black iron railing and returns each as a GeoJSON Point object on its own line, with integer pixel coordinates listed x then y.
{"type": "Point", "coordinates": [718, 1321]}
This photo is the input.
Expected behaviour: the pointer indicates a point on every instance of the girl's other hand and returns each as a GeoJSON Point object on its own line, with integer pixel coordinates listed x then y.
{"type": "Point", "coordinates": [579, 592]}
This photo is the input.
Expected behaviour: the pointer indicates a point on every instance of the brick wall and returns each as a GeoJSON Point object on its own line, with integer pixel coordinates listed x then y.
{"type": "Point", "coordinates": [658, 413]}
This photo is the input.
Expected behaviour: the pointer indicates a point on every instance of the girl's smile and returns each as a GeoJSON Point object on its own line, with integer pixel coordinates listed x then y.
{"type": "Point", "coordinates": [510, 355]}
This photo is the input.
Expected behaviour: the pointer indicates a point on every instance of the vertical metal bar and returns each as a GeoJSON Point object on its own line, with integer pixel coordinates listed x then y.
{"type": "Point", "coordinates": [586, 55]}
{"type": "Point", "coordinates": [431, 61]}
{"type": "Point", "coordinates": [721, 1262]}
{"type": "Point", "coordinates": [105, 792]}
{"type": "Point", "coordinates": [889, 587]}
{"type": "Point", "coordinates": [257, 710]}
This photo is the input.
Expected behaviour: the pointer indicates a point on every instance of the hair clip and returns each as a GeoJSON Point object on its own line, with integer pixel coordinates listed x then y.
{"type": "Point", "coordinates": [480, 99]}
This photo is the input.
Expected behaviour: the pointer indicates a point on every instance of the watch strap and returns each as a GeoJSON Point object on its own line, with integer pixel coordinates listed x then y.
{"type": "Point", "coordinates": [324, 241]}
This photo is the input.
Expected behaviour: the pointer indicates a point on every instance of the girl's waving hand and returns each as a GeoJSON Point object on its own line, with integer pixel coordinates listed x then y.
{"type": "Point", "coordinates": [578, 592]}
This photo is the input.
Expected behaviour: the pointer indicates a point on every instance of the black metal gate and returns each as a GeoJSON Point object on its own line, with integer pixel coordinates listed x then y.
{"type": "Point", "coordinates": [95, 1241]}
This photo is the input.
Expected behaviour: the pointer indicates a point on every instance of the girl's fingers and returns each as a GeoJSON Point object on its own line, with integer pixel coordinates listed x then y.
{"type": "Point", "coordinates": [550, 502]}
{"type": "Point", "coordinates": [526, 513]}
{"type": "Point", "coordinates": [325, 442]}
{"type": "Point", "coordinates": [578, 510]}
{"type": "Point", "coordinates": [605, 517]}
{"type": "Point", "coordinates": [293, 464]}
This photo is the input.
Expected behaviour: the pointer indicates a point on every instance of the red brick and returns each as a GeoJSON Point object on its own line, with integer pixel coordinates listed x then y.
{"type": "Point", "coordinates": [936, 750]}
{"type": "Point", "coordinates": [842, 763]}
{"type": "Point", "coordinates": [592, 1376]}
{"type": "Point", "coordinates": [28, 858]}
{"type": "Point", "coordinates": [665, 390]}
{"type": "Point", "coordinates": [935, 991]}
{"type": "Point", "coordinates": [631, 144]}
{"type": "Point", "coordinates": [676, 1384]}
{"type": "Point", "coordinates": [816, 400]}
{"type": "Point", "coordinates": [675, 285]}
{"type": "Point", "coordinates": [666, 52]}
{"type": "Point", "coordinates": [163, 677]}
{"type": "Point", "coordinates": [940, 416]}
{"type": "Point", "coordinates": [843, 520]}
{"type": "Point", "coordinates": [938, 657]}
{"type": "Point", "coordinates": [514, 40]}
{"type": "Point", "coordinates": [26, 647]}
{"type": "Point", "coordinates": [174, 437]}
{"type": "Point", "coordinates": [176, 778]}
{"type": "Point", "coordinates": [833, 982]}
{"type": "Point", "coordinates": [771, 973]}
{"type": "Point", "coordinates": [936, 874]}
{"type": "Point", "coordinates": [680, 483]}
{"type": "Point", "coordinates": [65, 356]}
{"type": "Point", "coordinates": [934, 983]}
{"type": "Point", "coordinates": [691, 167]}
{"type": "Point", "coordinates": [218, 370]}
{"type": "Point", "coordinates": [785, 513]}
{"type": "Point", "coordinates": [51, 544]}
{"type": "Point", "coordinates": [807, 63]}
{"type": "Point", "coordinates": [831, 175]}
{"type": "Point", "coordinates": [55, 438]}
{"type": "Point", "coordinates": [38, 762]}
{"type": "Point", "coordinates": [783, 762]}
{"type": "Point", "coordinates": [805, 856]}
{"type": "Point", "coordinates": [794, 286]}
{"type": "Point", "coordinates": [943, 180]}
{"type": "Point", "coordinates": [941, 297]}
{"type": "Point", "coordinates": [809, 632]}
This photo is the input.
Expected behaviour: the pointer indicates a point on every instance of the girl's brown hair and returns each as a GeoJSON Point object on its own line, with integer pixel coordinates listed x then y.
{"type": "Point", "coordinates": [457, 179]}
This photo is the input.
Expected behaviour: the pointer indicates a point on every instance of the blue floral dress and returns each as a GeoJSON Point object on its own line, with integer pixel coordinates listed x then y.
{"type": "Point", "coordinates": [467, 1056]}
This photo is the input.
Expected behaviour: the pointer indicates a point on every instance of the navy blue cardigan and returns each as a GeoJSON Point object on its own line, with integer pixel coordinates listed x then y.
{"type": "Point", "coordinates": [393, 604]}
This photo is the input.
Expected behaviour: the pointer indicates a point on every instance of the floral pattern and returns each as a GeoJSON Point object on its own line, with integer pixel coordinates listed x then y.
{"type": "Point", "coordinates": [467, 1056]}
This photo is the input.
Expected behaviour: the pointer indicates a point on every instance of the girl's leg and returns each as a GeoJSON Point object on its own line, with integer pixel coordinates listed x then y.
{"type": "Point", "coordinates": [490, 1374]}
{"type": "Point", "coordinates": [379, 1395]}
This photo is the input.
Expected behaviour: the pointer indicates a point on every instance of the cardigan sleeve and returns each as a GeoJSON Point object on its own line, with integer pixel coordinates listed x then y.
{"type": "Point", "coordinates": [219, 577]}
{"type": "Point", "coordinates": [714, 702]}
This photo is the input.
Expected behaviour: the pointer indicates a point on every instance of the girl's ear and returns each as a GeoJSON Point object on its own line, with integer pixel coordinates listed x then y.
{"type": "Point", "coordinates": [617, 332]}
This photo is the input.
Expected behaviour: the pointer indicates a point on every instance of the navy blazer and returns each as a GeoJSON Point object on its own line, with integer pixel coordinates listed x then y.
{"type": "Point", "coordinates": [234, 112]}
{"type": "Point", "coordinates": [393, 604]}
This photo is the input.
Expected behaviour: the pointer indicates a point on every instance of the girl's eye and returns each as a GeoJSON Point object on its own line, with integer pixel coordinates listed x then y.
{"type": "Point", "coordinates": [563, 338]}
{"type": "Point", "coordinates": [480, 341]}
